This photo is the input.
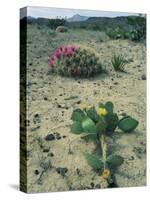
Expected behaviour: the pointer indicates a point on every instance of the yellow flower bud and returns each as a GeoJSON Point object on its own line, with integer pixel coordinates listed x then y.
{"type": "Point", "coordinates": [106, 173]}
{"type": "Point", "coordinates": [102, 112]}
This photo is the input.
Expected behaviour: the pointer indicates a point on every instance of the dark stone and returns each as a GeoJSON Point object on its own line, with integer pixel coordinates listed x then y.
{"type": "Point", "coordinates": [45, 98]}
{"type": "Point", "coordinates": [51, 154]}
{"type": "Point", "coordinates": [78, 171]}
{"type": "Point", "coordinates": [116, 83]}
{"type": "Point", "coordinates": [36, 172]}
{"type": "Point", "coordinates": [58, 138]}
{"type": "Point", "coordinates": [62, 171]}
{"type": "Point", "coordinates": [64, 136]}
{"type": "Point", "coordinates": [45, 150]}
{"type": "Point", "coordinates": [143, 77]}
{"type": "Point", "coordinates": [92, 184]}
{"type": "Point", "coordinates": [50, 137]}
{"type": "Point", "coordinates": [30, 64]}
{"type": "Point", "coordinates": [36, 119]}
{"type": "Point", "coordinates": [98, 186]}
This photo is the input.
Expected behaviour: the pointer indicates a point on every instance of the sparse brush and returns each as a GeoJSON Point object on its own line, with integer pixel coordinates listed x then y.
{"type": "Point", "coordinates": [118, 62]}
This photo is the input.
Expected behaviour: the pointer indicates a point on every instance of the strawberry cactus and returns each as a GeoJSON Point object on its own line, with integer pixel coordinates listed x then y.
{"type": "Point", "coordinates": [76, 61]}
{"type": "Point", "coordinates": [95, 123]}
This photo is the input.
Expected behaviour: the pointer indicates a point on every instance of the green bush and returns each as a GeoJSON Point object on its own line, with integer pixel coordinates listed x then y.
{"type": "Point", "coordinates": [138, 24]}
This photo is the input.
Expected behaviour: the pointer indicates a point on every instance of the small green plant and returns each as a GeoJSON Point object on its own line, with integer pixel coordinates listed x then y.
{"type": "Point", "coordinates": [95, 124]}
{"type": "Point", "coordinates": [118, 62]}
{"type": "Point", "coordinates": [76, 61]}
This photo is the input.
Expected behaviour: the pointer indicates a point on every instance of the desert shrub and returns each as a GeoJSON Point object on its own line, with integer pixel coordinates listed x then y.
{"type": "Point", "coordinates": [54, 23]}
{"type": "Point", "coordinates": [61, 29]}
{"type": "Point", "coordinates": [138, 31]}
{"type": "Point", "coordinates": [75, 61]}
{"type": "Point", "coordinates": [102, 37]}
{"type": "Point", "coordinates": [118, 62]}
{"type": "Point", "coordinates": [117, 33]}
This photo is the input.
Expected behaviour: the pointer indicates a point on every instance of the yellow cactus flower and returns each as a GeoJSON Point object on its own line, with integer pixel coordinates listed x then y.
{"type": "Point", "coordinates": [84, 106]}
{"type": "Point", "coordinates": [102, 112]}
{"type": "Point", "coordinates": [106, 173]}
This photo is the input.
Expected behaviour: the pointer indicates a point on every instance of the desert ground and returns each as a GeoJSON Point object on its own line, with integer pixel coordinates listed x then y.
{"type": "Point", "coordinates": [54, 155]}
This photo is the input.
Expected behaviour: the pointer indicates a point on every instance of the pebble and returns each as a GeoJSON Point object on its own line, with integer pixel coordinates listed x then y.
{"type": "Point", "coordinates": [36, 172]}
{"type": "Point", "coordinates": [92, 184]}
{"type": "Point", "coordinates": [98, 186]}
{"type": "Point", "coordinates": [50, 137]}
{"type": "Point", "coordinates": [51, 154]}
{"type": "Point", "coordinates": [36, 119]}
{"type": "Point", "coordinates": [45, 150]}
{"type": "Point", "coordinates": [116, 83]}
{"type": "Point", "coordinates": [62, 171]}
{"type": "Point", "coordinates": [143, 77]}
{"type": "Point", "coordinates": [45, 98]}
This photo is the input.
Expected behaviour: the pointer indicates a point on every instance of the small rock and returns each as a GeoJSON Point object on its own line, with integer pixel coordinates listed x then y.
{"type": "Point", "coordinates": [92, 184]}
{"type": "Point", "coordinates": [45, 150]}
{"type": "Point", "coordinates": [36, 172]}
{"type": "Point", "coordinates": [98, 186]}
{"type": "Point", "coordinates": [50, 137]}
{"type": "Point", "coordinates": [58, 138]}
{"type": "Point", "coordinates": [116, 83]}
{"type": "Point", "coordinates": [45, 98]}
{"type": "Point", "coordinates": [143, 77]}
{"type": "Point", "coordinates": [51, 154]}
{"type": "Point", "coordinates": [62, 171]}
{"type": "Point", "coordinates": [64, 136]}
{"type": "Point", "coordinates": [36, 119]}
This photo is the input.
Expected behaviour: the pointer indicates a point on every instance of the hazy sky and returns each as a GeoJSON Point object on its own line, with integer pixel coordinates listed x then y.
{"type": "Point", "coordinates": [65, 12]}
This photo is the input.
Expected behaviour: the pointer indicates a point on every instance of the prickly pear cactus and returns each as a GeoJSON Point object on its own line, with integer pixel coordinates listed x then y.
{"type": "Point", "coordinates": [74, 61]}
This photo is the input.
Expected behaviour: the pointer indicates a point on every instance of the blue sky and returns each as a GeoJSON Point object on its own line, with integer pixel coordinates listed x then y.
{"type": "Point", "coordinates": [65, 12]}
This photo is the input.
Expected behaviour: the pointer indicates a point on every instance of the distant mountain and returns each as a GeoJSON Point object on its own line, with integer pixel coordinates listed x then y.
{"type": "Point", "coordinates": [77, 18]}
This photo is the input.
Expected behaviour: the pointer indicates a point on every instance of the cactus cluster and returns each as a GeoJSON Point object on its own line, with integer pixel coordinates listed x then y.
{"type": "Point", "coordinates": [76, 61]}
{"type": "Point", "coordinates": [97, 123]}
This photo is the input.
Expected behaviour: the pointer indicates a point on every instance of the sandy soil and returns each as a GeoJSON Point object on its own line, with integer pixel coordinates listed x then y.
{"type": "Point", "coordinates": [58, 165]}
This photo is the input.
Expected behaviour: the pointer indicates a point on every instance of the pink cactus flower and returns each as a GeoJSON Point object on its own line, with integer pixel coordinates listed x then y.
{"type": "Point", "coordinates": [57, 54]}
{"type": "Point", "coordinates": [73, 48]}
{"type": "Point", "coordinates": [69, 52]}
{"type": "Point", "coordinates": [51, 62]}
